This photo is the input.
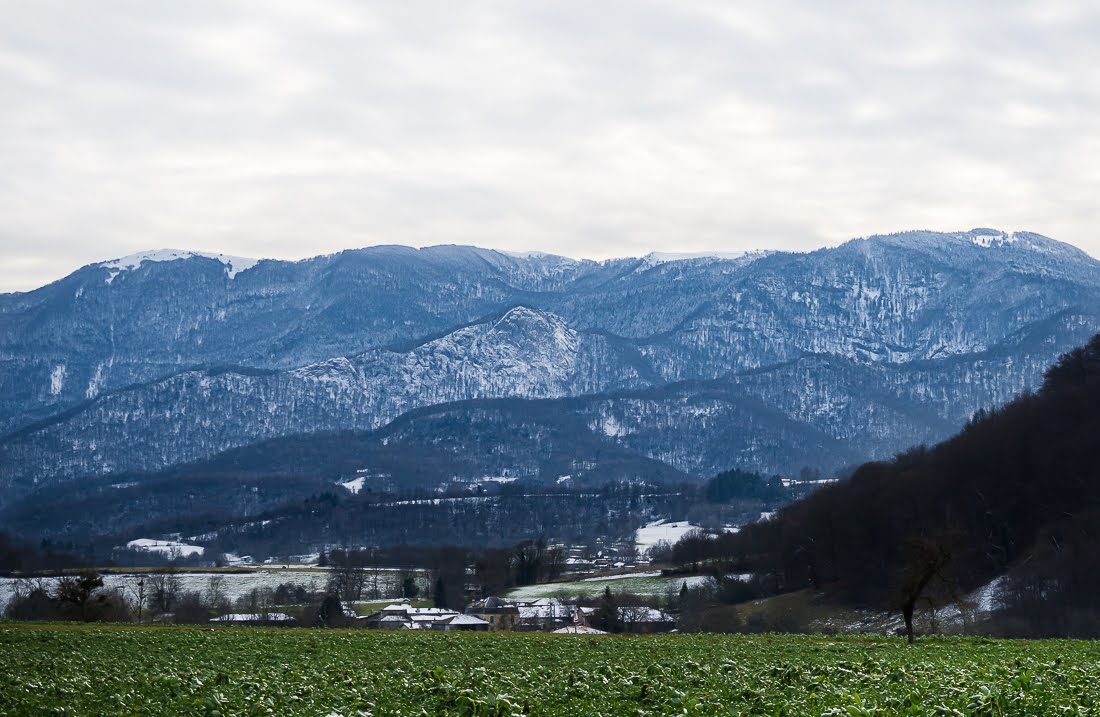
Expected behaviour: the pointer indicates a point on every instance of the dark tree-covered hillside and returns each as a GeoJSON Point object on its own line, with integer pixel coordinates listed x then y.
{"type": "Point", "coordinates": [1016, 493]}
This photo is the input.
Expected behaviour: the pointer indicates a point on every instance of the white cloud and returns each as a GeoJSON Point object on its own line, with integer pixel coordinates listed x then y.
{"type": "Point", "coordinates": [590, 129]}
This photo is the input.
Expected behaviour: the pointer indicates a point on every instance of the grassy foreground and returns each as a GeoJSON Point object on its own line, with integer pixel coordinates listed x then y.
{"type": "Point", "coordinates": [132, 670]}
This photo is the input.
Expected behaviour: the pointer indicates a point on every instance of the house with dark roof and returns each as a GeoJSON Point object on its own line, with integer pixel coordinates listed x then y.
{"type": "Point", "coordinates": [500, 615]}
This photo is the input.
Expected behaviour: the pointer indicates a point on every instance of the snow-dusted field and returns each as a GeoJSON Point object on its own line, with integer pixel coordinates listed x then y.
{"type": "Point", "coordinates": [624, 576]}
{"type": "Point", "coordinates": [653, 533]}
{"type": "Point", "coordinates": [232, 585]}
{"type": "Point", "coordinates": [171, 548]}
{"type": "Point", "coordinates": [637, 583]}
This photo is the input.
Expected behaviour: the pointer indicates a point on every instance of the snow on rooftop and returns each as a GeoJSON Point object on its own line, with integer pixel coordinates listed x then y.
{"type": "Point", "coordinates": [234, 264]}
{"type": "Point", "coordinates": [545, 612]}
{"type": "Point", "coordinates": [465, 620]}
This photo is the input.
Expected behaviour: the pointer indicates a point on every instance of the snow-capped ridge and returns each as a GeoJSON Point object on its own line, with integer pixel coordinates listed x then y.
{"type": "Point", "coordinates": [656, 258]}
{"type": "Point", "coordinates": [533, 255]}
{"type": "Point", "coordinates": [522, 314]}
{"type": "Point", "coordinates": [532, 321]}
{"type": "Point", "coordinates": [339, 370]}
{"type": "Point", "coordinates": [233, 264]}
{"type": "Point", "coordinates": [980, 238]}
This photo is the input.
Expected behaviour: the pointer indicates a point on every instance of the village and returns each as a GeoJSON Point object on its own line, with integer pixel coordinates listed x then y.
{"type": "Point", "coordinates": [538, 615]}
{"type": "Point", "coordinates": [491, 614]}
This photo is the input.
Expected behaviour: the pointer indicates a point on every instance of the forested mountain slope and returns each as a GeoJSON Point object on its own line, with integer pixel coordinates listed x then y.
{"type": "Point", "coordinates": [1016, 493]}
{"type": "Point", "coordinates": [770, 362]}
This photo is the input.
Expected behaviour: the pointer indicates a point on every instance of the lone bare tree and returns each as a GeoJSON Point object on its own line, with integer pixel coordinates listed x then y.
{"type": "Point", "coordinates": [925, 571]}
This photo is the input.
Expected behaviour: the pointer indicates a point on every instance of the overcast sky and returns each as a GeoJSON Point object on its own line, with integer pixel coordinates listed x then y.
{"type": "Point", "coordinates": [593, 128]}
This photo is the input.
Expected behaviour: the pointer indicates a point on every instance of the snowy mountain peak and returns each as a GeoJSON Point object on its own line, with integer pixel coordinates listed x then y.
{"type": "Point", "coordinates": [540, 325]}
{"type": "Point", "coordinates": [1024, 242]}
{"type": "Point", "coordinates": [521, 315]}
{"type": "Point", "coordinates": [981, 238]}
{"type": "Point", "coordinates": [233, 264]}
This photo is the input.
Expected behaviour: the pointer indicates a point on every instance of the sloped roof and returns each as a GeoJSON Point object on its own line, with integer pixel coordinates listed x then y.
{"type": "Point", "coordinates": [579, 630]}
{"type": "Point", "coordinates": [463, 620]}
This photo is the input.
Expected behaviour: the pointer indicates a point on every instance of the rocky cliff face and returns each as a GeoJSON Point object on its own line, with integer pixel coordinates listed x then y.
{"type": "Point", "coordinates": [769, 362]}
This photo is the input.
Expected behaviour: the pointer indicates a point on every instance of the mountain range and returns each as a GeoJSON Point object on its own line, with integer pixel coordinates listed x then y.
{"type": "Point", "coordinates": [528, 366]}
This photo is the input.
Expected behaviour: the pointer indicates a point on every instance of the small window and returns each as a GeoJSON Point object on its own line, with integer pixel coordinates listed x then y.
{"type": "Point", "coordinates": [491, 619]}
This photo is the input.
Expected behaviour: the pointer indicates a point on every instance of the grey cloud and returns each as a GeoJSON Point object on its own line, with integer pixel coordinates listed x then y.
{"type": "Point", "coordinates": [596, 129]}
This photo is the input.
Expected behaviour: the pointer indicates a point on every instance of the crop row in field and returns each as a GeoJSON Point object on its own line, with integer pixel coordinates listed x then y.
{"type": "Point", "coordinates": [156, 670]}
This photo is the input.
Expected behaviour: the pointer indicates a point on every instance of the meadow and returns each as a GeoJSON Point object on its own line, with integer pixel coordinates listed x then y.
{"type": "Point", "coordinates": [147, 670]}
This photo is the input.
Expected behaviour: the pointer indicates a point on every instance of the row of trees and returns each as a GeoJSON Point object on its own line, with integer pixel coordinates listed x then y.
{"type": "Point", "coordinates": [151, 597]}
{"type": "Point", "coordinates": [355, 575]}
{"type": "Point", "coordinates": [17, 556]}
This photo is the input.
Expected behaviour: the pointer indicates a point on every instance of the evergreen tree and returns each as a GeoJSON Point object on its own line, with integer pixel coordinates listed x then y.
{"type": "Point", "coordinates": [439, 597]}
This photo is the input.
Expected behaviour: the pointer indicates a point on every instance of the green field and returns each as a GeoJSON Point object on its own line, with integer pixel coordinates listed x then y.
{"type": "Point", "coordinates": [132, 670]}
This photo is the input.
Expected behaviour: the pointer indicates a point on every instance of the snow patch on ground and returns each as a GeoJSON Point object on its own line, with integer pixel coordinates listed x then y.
{"type": "Point", "coordinates": [624, 576]}
{"type": "Point", "coordinates": [994, 239]}
{"type": "Point", "coordinates": [168, 547]}
{"type": "Point", "coordinates": [97, 382]}
{"type": "Point", "coordinates": [986, 598]}
{"type": "Point", "coordinates": [611, 427]}
{"type": "Point", "coordinates": [354, 485]}
{"type": "Point", "coordinates": [57, 379]}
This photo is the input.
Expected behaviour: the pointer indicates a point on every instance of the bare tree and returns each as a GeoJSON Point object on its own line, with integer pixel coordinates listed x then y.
{"type": "Point", "coordinates": [75, 591]}
{"type": "Point", "coordinates": [163, 590]}
{"type": "Point", "coordinates": [216, 596]}
{"type": "Point", "coordinates": [348, 576]}
{"type": "Point", "coordinates": [135, 587]}
{"type": "Point", "coordinates": [924, 574]}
